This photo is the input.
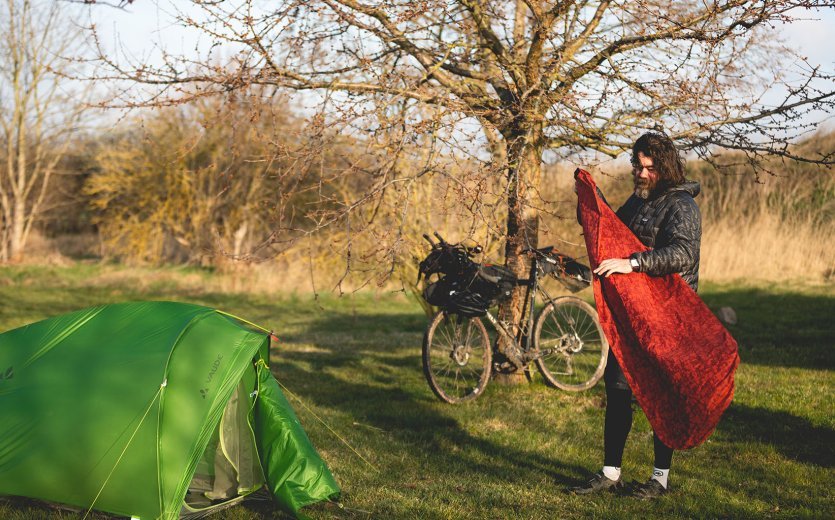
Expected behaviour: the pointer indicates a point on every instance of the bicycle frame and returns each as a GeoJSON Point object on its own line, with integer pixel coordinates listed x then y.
{"type": "Point", "coordinates": [521, 341]}
{"type": "Point", "coordinates": [545, 337]}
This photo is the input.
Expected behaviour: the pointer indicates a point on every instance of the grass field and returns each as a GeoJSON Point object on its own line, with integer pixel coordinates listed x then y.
{"type": "Point", "coordinates": [355, 362]}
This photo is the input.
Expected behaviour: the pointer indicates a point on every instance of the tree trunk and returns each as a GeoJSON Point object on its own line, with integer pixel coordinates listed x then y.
{"type": "Point", "coordinates": [17, 236]}
{"type": "Point", "coordinates": [524, 169]}
{"type": "Point", "coordinates": [5, 223]}
{"type": "Point", "coordinates": [4, 241]}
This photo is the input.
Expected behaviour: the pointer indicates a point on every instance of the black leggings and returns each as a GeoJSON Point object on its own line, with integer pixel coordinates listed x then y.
{"type": "Point", "coordinates": [619, 421]}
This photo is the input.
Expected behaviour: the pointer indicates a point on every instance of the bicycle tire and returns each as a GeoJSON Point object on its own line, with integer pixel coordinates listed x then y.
{"type": "Point", "coordinates": [457, 357]}
{"type": "Point", "coordinates": [570, 345]}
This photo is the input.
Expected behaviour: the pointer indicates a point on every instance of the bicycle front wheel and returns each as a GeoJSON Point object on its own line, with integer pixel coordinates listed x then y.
{"type": "Point", "coordinates": [570, 345]}
{"type": "Point", "coordinates": [457, 357]}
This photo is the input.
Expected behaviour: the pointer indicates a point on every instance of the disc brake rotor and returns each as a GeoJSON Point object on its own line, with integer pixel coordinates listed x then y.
{"type": "Point", "coordinates": [460, 354]}
{"type": "Point", "coordinates": [574, 343]}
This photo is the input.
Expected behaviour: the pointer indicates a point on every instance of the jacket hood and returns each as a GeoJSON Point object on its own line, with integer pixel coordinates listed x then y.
{"type": "Point", "coordinates": [691, 187]}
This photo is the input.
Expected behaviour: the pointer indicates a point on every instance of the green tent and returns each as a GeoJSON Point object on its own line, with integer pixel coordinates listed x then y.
{"type": "Point", "coordinates": [150, 410]}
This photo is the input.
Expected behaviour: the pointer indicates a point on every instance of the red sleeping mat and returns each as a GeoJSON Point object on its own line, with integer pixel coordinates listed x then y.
{"type": "Point", "coordinates": [677, 357]}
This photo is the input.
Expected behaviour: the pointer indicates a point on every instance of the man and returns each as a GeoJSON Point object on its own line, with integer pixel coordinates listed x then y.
{"type": "Point", "coordinates": [665, 218]}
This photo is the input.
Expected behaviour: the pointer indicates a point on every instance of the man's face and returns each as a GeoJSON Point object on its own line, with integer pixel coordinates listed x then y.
{"type": "Point", "coordinates": [646, 178]}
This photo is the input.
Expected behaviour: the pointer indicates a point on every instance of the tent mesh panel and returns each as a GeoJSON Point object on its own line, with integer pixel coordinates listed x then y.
{"type": "Point", "coordinates": [229, 467]}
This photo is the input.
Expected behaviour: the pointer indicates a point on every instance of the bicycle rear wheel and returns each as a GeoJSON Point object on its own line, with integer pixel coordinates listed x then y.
{"type": "Point", "coordinates": [570, 345]}
{"type": "Point", "coordinates": [457, 357]}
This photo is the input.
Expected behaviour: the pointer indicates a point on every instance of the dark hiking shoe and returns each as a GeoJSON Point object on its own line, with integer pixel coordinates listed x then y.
{"type": "Point", "coordinates": [650, 490]}
{"type": "Point", "coordinates": [598, 483]}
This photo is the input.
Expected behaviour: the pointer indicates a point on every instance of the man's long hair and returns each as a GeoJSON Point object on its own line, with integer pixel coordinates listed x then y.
{"type": "Point", "coordinates": [665, 158]}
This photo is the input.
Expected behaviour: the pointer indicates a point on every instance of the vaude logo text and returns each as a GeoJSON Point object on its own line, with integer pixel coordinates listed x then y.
{"type": "Point", "coordinates": [205, 391]}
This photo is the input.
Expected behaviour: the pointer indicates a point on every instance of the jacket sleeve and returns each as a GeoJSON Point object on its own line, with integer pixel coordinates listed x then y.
{"type": "Point", "coordinates": [681, 236]}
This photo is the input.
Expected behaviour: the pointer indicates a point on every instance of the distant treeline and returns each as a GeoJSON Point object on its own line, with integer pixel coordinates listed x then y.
{"type": "Point", "coordinates": [217, 181]}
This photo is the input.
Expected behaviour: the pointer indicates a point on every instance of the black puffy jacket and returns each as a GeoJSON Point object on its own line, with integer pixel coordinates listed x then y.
{"type": "Point", "coordinates": [671, 225]}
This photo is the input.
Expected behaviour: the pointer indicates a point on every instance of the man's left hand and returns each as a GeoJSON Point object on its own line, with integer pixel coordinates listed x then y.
{"type": "Point", "coordinates": [611, 266]}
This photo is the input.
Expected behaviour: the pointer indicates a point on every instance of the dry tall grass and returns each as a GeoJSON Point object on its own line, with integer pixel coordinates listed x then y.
{"type": "Point", "coordinates": [774, 228]}
{"type": "Point", "coordinates": [767, 247]}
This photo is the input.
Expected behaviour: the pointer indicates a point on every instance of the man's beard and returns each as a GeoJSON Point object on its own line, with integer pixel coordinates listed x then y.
{"type": "Point", "coordinates": [644, 187]}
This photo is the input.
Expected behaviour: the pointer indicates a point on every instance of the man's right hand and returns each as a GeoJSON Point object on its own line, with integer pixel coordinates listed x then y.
{"type": "Point", "coordinates": [612, 266]}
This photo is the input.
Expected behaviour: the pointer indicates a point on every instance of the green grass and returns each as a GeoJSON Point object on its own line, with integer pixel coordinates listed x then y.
{"type": "Point", "coordinates": [355, 362]}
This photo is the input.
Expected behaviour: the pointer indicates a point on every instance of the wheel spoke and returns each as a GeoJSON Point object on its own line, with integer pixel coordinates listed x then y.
{"type": "Point", "coordinates": [457, 358]}
{"type": "Point", "coordinates": [583, 327]}
{"type": "Point", "coordinates": [569, 327]}
{"type": "Point", "coordinates": [469, 334]}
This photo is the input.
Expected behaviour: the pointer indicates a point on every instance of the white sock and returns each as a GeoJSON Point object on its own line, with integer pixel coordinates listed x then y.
{"type": "Point", "coordinates": [611, 472]}
{"type": "Point", "coordinates": [661, 476]}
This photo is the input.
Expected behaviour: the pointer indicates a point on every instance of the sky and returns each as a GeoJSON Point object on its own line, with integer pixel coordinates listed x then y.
{"type": "Point", "coordinates": [148, 23]}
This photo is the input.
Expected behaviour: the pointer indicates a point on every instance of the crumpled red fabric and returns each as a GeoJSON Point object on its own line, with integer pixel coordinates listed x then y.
{"type": "Point", "coordinates": [677, 357]}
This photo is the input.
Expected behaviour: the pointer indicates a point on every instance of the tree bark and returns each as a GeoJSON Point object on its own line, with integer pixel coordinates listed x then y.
{"type": "Point", "coordinates": [16, 240]}
{"type": "Point", "coordinates": [524, 170]}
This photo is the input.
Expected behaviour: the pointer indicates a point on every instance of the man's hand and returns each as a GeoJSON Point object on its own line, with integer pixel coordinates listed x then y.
{"type": "Point", "coordinates": [611, 266]}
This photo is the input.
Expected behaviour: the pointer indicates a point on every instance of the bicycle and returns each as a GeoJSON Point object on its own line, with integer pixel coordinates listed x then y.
{"type": "Point", "coordinates": [564, 340]}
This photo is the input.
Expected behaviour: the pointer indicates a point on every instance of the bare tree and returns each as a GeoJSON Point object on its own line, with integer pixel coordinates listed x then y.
{"type": "Point", "coordinates": [37, 113]}
{"type": "Point", "coordinates": [532, 75]}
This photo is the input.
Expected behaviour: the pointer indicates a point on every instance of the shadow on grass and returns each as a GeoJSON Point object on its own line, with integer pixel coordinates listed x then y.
{"type": "Point", "coordinates": [775, 329]}
{"type": "Point", "coordinates": [787, 329]}
{"type": "Point", "coordinates": [794, 437]}
{"type": "Point", "coordinates": [410, 417]}
{"type": "Point", "coordinates": [416, 420]}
